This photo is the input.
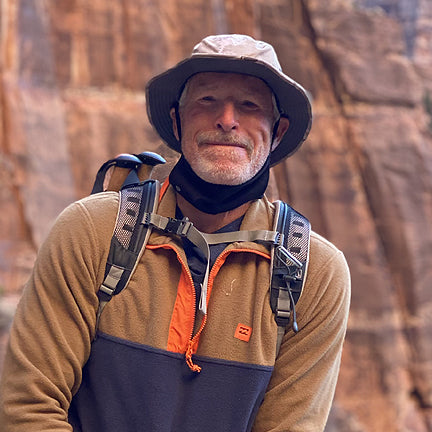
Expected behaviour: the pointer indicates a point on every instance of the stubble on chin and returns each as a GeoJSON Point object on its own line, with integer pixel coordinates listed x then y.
{"type": "Point", "coordinates": [225, 171]}
{"type": "Point", "coordinates": [217, 173]}
{"type": "Point", "coordinates": [231, 164]}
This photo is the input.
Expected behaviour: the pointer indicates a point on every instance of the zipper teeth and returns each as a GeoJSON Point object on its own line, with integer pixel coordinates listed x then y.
{"type": "Point", "coordinates": [194, 338]}
{"type": "Point", "coordinates": [213, 270]}
{"type": "Point", "coordinates": [186, 269]}
{"type": "Point", "coordinates": [189, 275]}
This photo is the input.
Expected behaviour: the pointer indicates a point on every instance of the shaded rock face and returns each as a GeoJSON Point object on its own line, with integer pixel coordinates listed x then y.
{"type": "Point", "coordinates": [72, 89]}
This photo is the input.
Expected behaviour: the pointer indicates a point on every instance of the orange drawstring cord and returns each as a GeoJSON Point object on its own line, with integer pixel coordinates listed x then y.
{"type": "Point", "coordinates": [192, 366]}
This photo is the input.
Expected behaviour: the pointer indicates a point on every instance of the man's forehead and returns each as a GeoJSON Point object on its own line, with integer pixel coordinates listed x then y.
{"type": "Point", "coordinates": [213, 80]}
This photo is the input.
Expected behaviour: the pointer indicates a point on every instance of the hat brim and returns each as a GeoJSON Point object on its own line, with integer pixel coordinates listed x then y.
{"type": "Point", "coordinates": [162, 92]}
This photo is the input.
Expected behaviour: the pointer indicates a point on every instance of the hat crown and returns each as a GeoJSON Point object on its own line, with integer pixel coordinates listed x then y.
{"type": "Point", "coordinates": [232, 53]}
{"type": "Point", "coordinates": [239, 46]}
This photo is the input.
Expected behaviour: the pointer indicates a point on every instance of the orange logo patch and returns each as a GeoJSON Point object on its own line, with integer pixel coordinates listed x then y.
{"type": "Point", "coordinates": [243, 332]}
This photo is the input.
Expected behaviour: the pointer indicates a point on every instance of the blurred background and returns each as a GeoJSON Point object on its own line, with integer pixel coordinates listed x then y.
{"type": "Point", "coordinates": [73, 75]}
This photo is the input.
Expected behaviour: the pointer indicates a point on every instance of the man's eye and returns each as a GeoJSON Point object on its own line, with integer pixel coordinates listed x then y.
{"type": "Point", "coordinates": [249, 104]}
{"type": "Point", "coordinates": [207, 99]}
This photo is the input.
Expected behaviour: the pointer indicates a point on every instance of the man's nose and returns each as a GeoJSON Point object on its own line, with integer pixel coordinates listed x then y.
{"type": "Point", "coordinates": [227, 117]}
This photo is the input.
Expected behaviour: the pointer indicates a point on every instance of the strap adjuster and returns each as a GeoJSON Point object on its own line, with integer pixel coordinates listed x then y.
{"type": "Point", "coordinates": [178, 226]}
{"type": "Point", "coordinates": [285, 257]}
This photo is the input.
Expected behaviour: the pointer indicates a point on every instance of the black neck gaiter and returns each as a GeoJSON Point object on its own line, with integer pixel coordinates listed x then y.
{"type": "Point", "coordinates": [214, 198]}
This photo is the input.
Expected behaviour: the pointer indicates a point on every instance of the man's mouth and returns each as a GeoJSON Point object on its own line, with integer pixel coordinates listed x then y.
{"type": "Point", "coordinates": [215, 139]}
{"type": "Point", "coordinates": [224, 143]}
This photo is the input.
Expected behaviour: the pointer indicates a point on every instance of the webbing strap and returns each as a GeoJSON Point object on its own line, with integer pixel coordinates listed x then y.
{"type": "Point", "coordinates": [185, 228]}
{"type": "Point", "coordinates": [280, 335]}
{"type": "Point", "coordinates": [262, 236]}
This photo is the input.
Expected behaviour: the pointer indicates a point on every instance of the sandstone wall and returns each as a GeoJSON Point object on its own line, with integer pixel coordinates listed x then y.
{"type": "Point", "coordinates": [72, 84]}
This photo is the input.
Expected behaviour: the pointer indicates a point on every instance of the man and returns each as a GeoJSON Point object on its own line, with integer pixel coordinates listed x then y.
{"type": "Point", "coordinates": [168, 355]}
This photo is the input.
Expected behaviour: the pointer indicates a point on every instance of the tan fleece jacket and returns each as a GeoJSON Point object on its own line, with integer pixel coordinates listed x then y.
{"type": "Point", "coordinates": [54, 326]}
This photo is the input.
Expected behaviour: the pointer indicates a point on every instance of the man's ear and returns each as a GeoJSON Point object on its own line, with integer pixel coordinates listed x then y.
{"type": "Point", "coordinates": [280, 132]}
{"type": "Point", "coordinates": [175, 125]}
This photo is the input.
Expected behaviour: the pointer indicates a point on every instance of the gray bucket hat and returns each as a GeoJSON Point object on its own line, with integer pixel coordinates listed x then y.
{"type": "Point", "coordinates": [236, 54]}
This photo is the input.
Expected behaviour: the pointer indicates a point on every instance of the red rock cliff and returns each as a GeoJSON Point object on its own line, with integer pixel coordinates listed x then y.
{"type": "Point", "coordinates": [72, 84]}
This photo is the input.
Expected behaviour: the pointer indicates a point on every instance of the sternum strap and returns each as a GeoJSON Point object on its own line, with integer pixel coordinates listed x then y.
{"type": "Point", "coordinates": [184, 228]}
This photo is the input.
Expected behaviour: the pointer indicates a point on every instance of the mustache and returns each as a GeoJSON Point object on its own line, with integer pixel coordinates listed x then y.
{"type": "Point", "coordinates": [209, 137]}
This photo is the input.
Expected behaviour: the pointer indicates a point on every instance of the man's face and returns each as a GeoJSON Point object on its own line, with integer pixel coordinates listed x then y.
{"type": "Point", "coordinates": [226, 124]}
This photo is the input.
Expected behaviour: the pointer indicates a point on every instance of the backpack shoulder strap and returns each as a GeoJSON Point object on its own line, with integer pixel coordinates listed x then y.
{"type": "Point", "coordinates": [129, 239]}
{"type": "Point", "coordinates": [289, 266]}
{"type": "Point", "coordinates": [130, 236]}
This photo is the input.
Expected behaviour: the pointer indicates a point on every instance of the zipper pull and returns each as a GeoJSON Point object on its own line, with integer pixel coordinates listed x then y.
{"type": "Point", "coordinates": [192, 366]}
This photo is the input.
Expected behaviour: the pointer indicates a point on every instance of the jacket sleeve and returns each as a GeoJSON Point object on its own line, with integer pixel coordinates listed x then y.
{"type": "Point", "coordinates": [54, 323]}
{"type": "Point", "coordinates": [301, 390]}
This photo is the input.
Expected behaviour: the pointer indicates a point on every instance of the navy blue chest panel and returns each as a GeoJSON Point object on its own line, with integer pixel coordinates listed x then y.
{"type": "Point", "coordinates": [132, 387]}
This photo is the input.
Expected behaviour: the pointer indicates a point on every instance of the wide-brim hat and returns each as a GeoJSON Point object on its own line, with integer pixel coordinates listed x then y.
{"type": "Point", "coordinates": [236, 54]}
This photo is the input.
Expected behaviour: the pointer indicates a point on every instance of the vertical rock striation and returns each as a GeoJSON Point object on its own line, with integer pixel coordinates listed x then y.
{"type": "Point", "coordinates": [73, 75]}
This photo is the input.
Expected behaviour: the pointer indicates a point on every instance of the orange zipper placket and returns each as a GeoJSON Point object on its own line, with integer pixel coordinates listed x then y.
{"type": "Point", "coordinates": [194, 342]}
{"type": "Point", "coordinates": [179, 344]}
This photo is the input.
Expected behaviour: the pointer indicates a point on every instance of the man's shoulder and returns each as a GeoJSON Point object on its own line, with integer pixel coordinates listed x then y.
{"type": "Point", "coordinates": [100, 200]}
{"type": "Point", "coordinates": [325, 254]}
{"type": "Point", "coordinates": [95, 213]}
{"type": "Point", "coordinates": [97, 205]}
{"type": "Point", "coordinates": [322, 245]}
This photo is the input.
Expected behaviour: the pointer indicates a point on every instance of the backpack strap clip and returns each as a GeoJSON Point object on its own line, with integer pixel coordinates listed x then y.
{"type": "Point", "coordinates": [289, 266]}
{"type": "Point", "coordinates": [180, 227]}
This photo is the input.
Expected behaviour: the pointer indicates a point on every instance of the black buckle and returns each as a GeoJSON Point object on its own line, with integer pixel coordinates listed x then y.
{"type": "Point", "coordinates": [178, 226]}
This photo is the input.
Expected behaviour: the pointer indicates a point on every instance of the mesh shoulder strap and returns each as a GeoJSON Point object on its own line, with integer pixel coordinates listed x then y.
{"type": "Point", "coordinates": [129, 239]}
{"type": "Point", "coordinates": [289, 266]}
